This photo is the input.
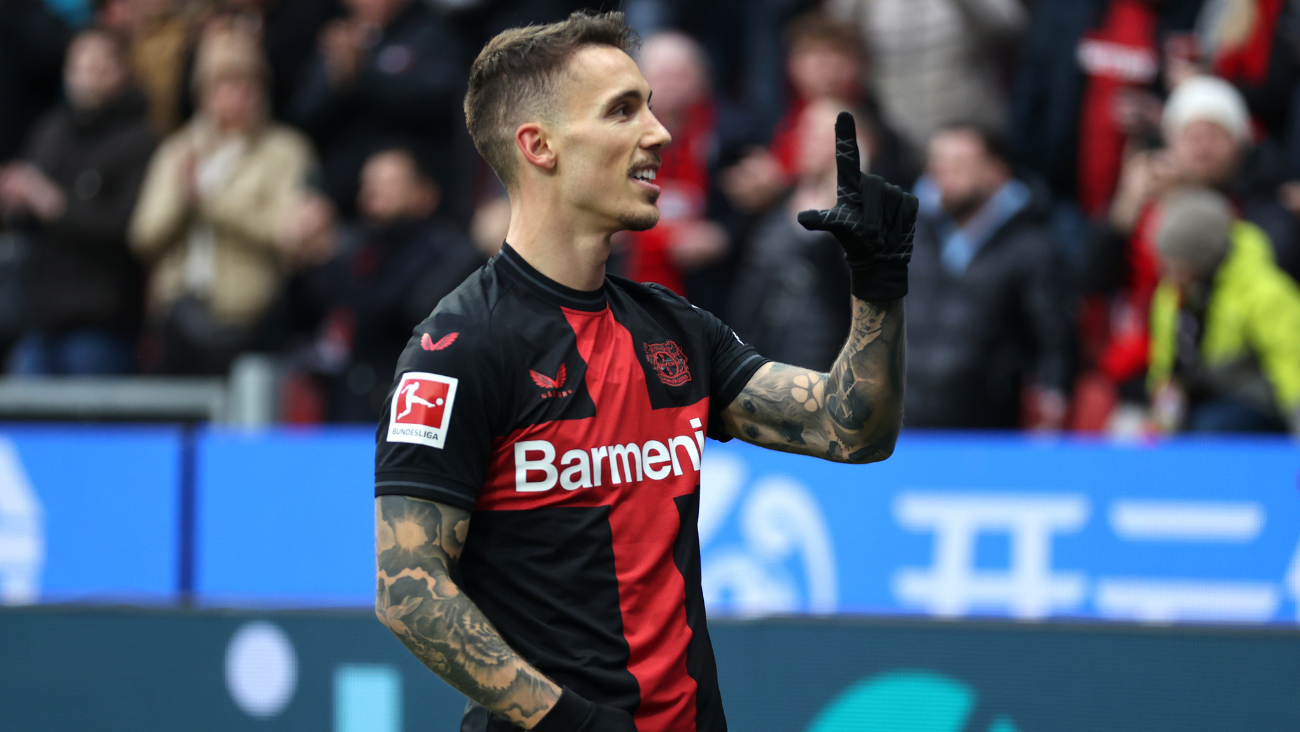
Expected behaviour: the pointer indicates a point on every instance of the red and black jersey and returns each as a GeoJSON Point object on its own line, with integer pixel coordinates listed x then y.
{"type": "Point", "coordinates": [572, 425]}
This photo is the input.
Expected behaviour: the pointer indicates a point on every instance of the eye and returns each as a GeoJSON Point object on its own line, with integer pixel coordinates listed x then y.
{"type": "Point", "coordinates": [620, 111]}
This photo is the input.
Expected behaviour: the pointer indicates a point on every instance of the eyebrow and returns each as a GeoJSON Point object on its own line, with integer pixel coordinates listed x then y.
{"type": "Point", "coordinates": [631, 94]}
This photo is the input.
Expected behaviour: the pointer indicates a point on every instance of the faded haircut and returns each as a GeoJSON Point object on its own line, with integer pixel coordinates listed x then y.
{"type": "Point", "coordinates": [516, 77]}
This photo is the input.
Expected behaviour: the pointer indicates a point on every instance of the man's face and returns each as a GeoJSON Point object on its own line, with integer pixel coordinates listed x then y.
{"type": "Point", "coordinates": [963, 172]}
{"type": "Point", "coordinates": [672, 68]}
{"type": "Point", "coordinates": [818, 70]}
{"type": "Point", "coordinates": [606, 141]}
{"type": "Point", "coordinates": [94, 73]}
{"type": "Point", "coordinates": [391, 189]}
{"type": "Point", "coordinates": [1206, 153]}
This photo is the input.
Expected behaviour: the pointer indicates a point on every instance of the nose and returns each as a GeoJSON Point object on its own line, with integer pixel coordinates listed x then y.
{"type": "Point", "coordinates": [657, 136]}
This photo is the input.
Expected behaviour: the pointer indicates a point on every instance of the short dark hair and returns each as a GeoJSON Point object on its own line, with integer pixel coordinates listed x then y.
{"type": "Point", "coordinates": [994, 141]}
{"type": "Point", "coordinates": [514, 78]}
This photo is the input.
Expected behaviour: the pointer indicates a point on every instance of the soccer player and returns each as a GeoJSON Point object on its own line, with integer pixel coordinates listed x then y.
{"type": "Point", "coordinates": [537, 470]}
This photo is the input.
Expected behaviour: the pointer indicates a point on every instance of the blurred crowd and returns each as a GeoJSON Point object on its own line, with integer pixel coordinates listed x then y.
{"type": "Point", "coordinates": [1108, 237]}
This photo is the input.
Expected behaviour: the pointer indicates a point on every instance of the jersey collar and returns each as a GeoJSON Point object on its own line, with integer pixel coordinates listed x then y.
{"type": "Point", "coordinates": [547, 288]}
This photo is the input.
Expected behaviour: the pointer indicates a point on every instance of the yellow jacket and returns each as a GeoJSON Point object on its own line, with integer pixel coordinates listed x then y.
{"type": "Point", "coordinates": [223, 248]}
{"type": "Point", "coordinates": [1251, 339]}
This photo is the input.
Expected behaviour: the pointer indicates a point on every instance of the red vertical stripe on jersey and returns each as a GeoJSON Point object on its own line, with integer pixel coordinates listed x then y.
{"type": "Point", "coordinates": [644, 524]}
{"type": "Point", "coordinates": [644, 519]}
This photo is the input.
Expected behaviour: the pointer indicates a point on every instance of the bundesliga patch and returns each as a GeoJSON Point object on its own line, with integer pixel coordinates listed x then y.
{"type": "Point", "coordinates": [421, 409]}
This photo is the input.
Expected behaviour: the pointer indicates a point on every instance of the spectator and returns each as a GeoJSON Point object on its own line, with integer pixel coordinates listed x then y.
{"type": "Point", "coordinates": [986, 308]}
{"type": "Point", "coordinates": [212, 210]}
{"type": "Point", "coordinates": [1251, 44]}
{"type": "Point", "coordinates": [390, 73]}
{"type": "Point", "coordinates": [684, 241]}
{"type": "Point", "coordinates": [792, 284]}
{"type": "Point", "coordinates": [1207, 128]}
{"type": "Point", "coordinates": [161, 38]}
{"type": "Point", "coordinates": [75, 191]}
{"type": "Point", "coordinates": [1210, 141]}
{"type": "Point", "coordinates": [288, 30]}
{"type": "Point", "coordinates": [743, 41]}
{"type": "Point", "coordinates": [1225, 324]}
{"type": "Point", "coordinates": [936, 61]}
{"type": "Point", "coordinates": [32, 42]}
{"type": "Point", "coordinates": [391, 271]}
{"type": "Point", "coordinates": [824, 61]}
{"type": "Point", "coordinates": [1090, 77]}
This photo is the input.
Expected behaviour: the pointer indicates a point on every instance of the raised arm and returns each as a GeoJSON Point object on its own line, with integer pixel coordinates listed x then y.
{"type": "Point", "coordinates": [416, 544]}
{"type": "Point", "coordinates": [854, 413]}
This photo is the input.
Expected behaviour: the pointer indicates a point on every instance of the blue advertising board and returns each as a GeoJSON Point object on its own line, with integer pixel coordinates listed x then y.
{"type": "Point", "coordinates": [286, 517]}
{"type": "Point", "coordinates": [950, 526]}
{"type": "Point", "coordinates": [88, 514]}
{"type": "Point", "coordinates": [953, 526]}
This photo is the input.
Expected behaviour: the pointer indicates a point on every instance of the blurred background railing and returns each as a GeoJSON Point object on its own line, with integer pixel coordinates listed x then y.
{"type": "Point", "coordinates": [247, 398]}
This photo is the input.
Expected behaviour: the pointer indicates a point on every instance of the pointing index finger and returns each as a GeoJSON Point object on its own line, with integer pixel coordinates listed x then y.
{"type": "Point", "coordinates": [848, 163]}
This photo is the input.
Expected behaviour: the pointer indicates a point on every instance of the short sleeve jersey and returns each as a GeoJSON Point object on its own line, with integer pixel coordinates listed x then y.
{"type": "Point", "coordinates": [572, 424]}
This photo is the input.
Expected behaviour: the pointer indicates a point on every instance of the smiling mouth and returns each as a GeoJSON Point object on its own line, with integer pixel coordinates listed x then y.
{"type": "Point", "coordinates": [645, 175]}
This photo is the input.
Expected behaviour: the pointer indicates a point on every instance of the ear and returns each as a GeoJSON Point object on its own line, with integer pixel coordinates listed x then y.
{"type": "Point", "coordinates": [534, 143]}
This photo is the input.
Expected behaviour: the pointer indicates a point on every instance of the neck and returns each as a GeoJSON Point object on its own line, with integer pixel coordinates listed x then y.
{"type": "Point", "coordinates": [548, 236]}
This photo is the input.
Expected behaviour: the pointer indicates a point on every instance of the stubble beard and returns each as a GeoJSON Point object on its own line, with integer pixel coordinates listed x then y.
{"type": "Point", "coordinates": [640, 221]}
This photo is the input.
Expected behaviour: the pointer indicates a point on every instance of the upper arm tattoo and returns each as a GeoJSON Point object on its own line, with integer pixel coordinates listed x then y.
{"type": "Point", "coordinates": [416, 544]}
{"type": "Point", "coordinates": [851, 414]}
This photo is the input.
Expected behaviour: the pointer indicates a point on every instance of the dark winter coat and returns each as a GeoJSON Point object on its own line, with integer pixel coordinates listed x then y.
{"type": "Point", "coordinates": [82, 273]}
{"type": "Point", "coordinates": [974, 339]}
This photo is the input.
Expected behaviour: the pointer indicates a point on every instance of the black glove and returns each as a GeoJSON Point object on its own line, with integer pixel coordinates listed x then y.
{"type": "Point", "coordinates": [572, 713]}
{"type": "Point", "coordinates": [873, 220]}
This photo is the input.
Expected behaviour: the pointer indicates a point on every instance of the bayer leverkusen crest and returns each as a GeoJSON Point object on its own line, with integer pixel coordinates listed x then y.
{"type": "Point", "coordinates": [669, 362]}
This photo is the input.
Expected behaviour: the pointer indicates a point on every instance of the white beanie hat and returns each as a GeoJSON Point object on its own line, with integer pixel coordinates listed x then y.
{"type": "Point", "coordinates": [1211, 99]}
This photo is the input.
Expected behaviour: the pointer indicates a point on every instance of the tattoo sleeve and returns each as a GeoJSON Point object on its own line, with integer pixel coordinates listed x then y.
{"type": "Point", "coordinates": [852, 414]}
{"type": "Point", "coordinates": [416, 544]}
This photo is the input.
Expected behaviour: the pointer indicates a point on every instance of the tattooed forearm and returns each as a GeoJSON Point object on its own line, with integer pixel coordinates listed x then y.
{"type": "Point", "coordinates": [852, 414]}
{"type": "Point", "coordinates": [416, 544]}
